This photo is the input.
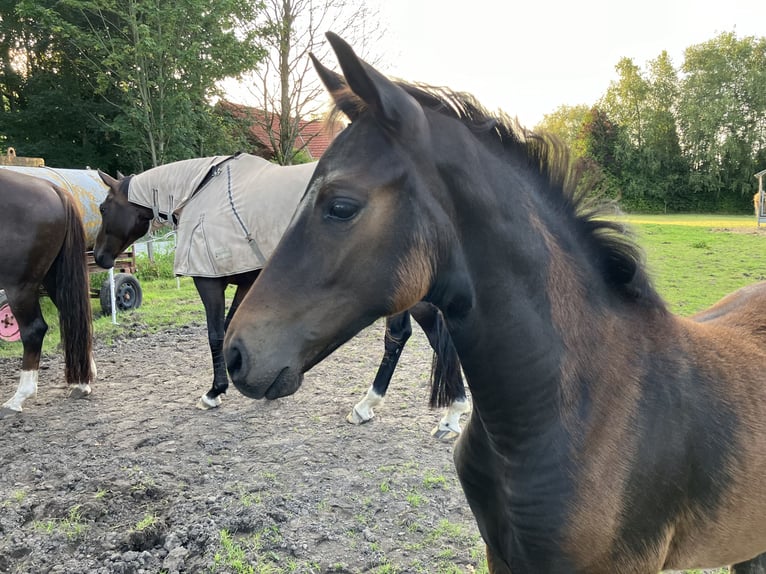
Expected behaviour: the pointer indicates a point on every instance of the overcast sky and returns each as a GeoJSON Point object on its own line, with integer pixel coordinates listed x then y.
{"type": "Point", "coordinates": [528, 58]}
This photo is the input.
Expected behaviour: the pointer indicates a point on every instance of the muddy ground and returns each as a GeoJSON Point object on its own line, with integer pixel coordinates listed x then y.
{"type": "Point", "coordinates": [136, 479]}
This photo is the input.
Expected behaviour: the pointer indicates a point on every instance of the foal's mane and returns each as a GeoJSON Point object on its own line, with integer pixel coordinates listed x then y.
{"type": "Point", "coordinates": [617, 255]}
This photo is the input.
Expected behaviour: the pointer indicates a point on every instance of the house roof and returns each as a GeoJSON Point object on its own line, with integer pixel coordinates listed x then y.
{"type": "Point", "coordinates": [315, 135]}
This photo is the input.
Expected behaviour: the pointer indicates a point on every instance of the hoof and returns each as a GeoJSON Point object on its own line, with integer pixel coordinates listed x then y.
{"type": "Point", "coordinates": [205, 403]}
{"type": "Point", "coordinates": [444, 434]}
{"type": "Point", "coordinates": [79, 392]}
{"type": "Point", "coordinates": [5, 412]}
{"type": "Point", "coordinates": [357, 419]}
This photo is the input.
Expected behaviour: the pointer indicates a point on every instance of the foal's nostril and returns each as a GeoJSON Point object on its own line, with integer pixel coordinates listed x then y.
{"type": "Point", "coordinates": [234, 360]}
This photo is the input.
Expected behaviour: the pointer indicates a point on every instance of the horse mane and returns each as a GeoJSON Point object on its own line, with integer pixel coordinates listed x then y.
{"type": "Point", "coordinates": [618, 256]}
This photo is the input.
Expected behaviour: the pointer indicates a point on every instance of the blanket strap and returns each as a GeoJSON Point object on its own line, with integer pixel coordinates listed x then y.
{"type": "Point", "coordinates": [159, 218]}
{"type": "Point", "coordinates": [250, 239]}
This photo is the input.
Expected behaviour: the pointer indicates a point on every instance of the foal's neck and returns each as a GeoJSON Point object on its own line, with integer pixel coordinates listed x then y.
{"type": "Point", "coordinates": [530, 300]}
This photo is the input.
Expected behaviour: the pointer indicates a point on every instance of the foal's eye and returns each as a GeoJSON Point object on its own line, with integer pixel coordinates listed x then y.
{"type": "Point", "coordinates": [342, 209]}
{"type": "Point", "coordinates": [101, 209]}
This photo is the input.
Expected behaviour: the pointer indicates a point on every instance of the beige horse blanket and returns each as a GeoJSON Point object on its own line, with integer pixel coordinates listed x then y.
{"type": "Point", "coordinates": [231, 210]}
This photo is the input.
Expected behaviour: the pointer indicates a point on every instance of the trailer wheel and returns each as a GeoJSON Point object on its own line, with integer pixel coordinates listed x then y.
{"type": "Point", "coordinates": [127, 292]}
{"type": "Point", "coordinates": [9, 328]}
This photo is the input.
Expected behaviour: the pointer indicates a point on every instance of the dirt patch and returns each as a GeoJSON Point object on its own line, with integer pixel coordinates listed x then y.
{"type": "Point", "coordinates": [135, 479]}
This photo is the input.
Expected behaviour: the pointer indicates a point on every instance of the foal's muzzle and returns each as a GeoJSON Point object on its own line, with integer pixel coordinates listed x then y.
{"type": "Point", "coordinates": [254, 378]}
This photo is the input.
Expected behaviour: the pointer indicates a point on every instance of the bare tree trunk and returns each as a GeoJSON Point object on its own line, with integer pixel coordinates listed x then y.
{"type": "Point", "coordinates": [285, 84]}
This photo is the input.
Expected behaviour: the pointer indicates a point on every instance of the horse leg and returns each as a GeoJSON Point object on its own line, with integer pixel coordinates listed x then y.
{"type": "Point", "coordinates": [449, 426]}
{"type": "Point", "coordinates": [756, 565]}
{"type": "Point", "coordinates": [447, 380]}
{"type": "Point", "coordinates": [211, 291]}
{"type": "Point", "coordinates": [32, 326]}
{"type": "Point", "coordinates": [80, 389]}
{"type": "Point", "coordinates": [239, 294]}
{"type": "Point", "coordinates": [398, 330]}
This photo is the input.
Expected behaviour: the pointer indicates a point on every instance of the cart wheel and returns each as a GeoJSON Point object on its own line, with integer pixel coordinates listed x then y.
{"type": "Point", "coordinates": [9, 328]}
{"type": "Point", "coordinates": [127, 292]}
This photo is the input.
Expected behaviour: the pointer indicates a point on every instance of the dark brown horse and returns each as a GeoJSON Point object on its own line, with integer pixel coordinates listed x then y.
{"type": "Point", "coordinates": [133, 202]}
{"type": "Point", "coordinates": [42, 244]}
{"type": "Point", "coordinates": [608, 435]}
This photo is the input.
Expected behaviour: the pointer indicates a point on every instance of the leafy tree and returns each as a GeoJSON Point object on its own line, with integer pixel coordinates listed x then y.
{"type": "Point", "coordinates": [45, 108]}
{"type": "Point", "coordinates": [647, 151]}
{"type": "Point", "coordinates": [625, 100]}
{"type": "Point", "coordinates": [156, 64]}
{"type": "Point", "coordinates": [566, 122]}
{"type": "Point", "coordinates": [14, 55]}
{"type": "Point", "coordinates": [662, 161]}
{"type": "Point", "coordinates": [599, 139]}
{"type": "Point", "coordinates": [722, 114]}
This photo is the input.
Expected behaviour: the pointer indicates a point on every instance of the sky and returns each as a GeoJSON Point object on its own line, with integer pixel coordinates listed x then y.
{"type": "Point", "coordinates": [528, 58]}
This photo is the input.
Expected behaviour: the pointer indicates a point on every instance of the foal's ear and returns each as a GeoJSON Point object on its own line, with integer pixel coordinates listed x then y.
{"type": "Point", "coordinates": [108, 180]}
{"type": "Point", "coordinates": [343, 97]}
{"type": "Point", "coordinates": [392, 106]}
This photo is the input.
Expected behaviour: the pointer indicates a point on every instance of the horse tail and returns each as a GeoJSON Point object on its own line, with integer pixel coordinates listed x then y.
{"type": "Point", "coordinates": [73, 296]}
{"type": "Point", "coordinates": [446, 379]}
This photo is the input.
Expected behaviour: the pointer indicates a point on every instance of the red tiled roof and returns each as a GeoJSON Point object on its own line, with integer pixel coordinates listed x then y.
{"type": "Point", "coordinates": [318, 134]}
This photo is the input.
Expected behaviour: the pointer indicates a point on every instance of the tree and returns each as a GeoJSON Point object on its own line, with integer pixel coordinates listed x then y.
{"type": "Point", "coordinates": [650, 173]}
{"type": "Point", "coordinates": [662, 161]}
{"type": "Point", "coordinates": [566, 123]}
{"type": "Point", "coordinates": [46, 110]}
{"type": "Point", "coordinates": [722, 114]}
{"type": "Point", "coordinates": [155, 63]}
{"type": "Point", "coordinates": [625, 100]}
{"type": "Point", "coordinates": [599, 139]}
{"type": "Point", "coordinates": [285, 82]}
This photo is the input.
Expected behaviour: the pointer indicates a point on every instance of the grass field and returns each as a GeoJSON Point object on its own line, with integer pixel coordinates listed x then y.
{"type": "Point", "coordinates": [695, 260]}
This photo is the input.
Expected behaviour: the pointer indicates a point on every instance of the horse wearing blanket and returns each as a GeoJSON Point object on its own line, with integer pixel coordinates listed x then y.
{"type": "Point", "coordinates": [230, 212]}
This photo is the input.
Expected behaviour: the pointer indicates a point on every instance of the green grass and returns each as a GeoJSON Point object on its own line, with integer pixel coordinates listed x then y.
{"type": "Point", "coordinates": [72, 526]}
{"type": "Point", "coordinates": [146, 522]}
{"type": "Point", "coordinates": [415, 499]}
{"type": "Point", "coordinates": [231, 556]}
{"type": "Point", "coordinates": [243, 555]}
{"type": "Point", "coordinates": [694, 264]}
{"type": "Point", "coordinates": [431, 480]}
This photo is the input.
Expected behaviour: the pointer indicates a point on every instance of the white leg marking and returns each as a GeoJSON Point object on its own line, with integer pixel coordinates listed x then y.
{"type": "Point", "coordinates": [362, 411]}
{"type": "Point", "coordinates": [79, 391]}
{"type": "Point", "coordinates": [27, 388]}
{"type": "Point", "coordinates": [204, 403]}
{"type": "Point", "coordinates": [93, 369]}
{"type": "Point", "coordinates": [449, 425]}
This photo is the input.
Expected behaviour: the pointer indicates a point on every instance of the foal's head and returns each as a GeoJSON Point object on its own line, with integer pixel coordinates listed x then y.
{"type": "Point", "coordinates": [364, 241]}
